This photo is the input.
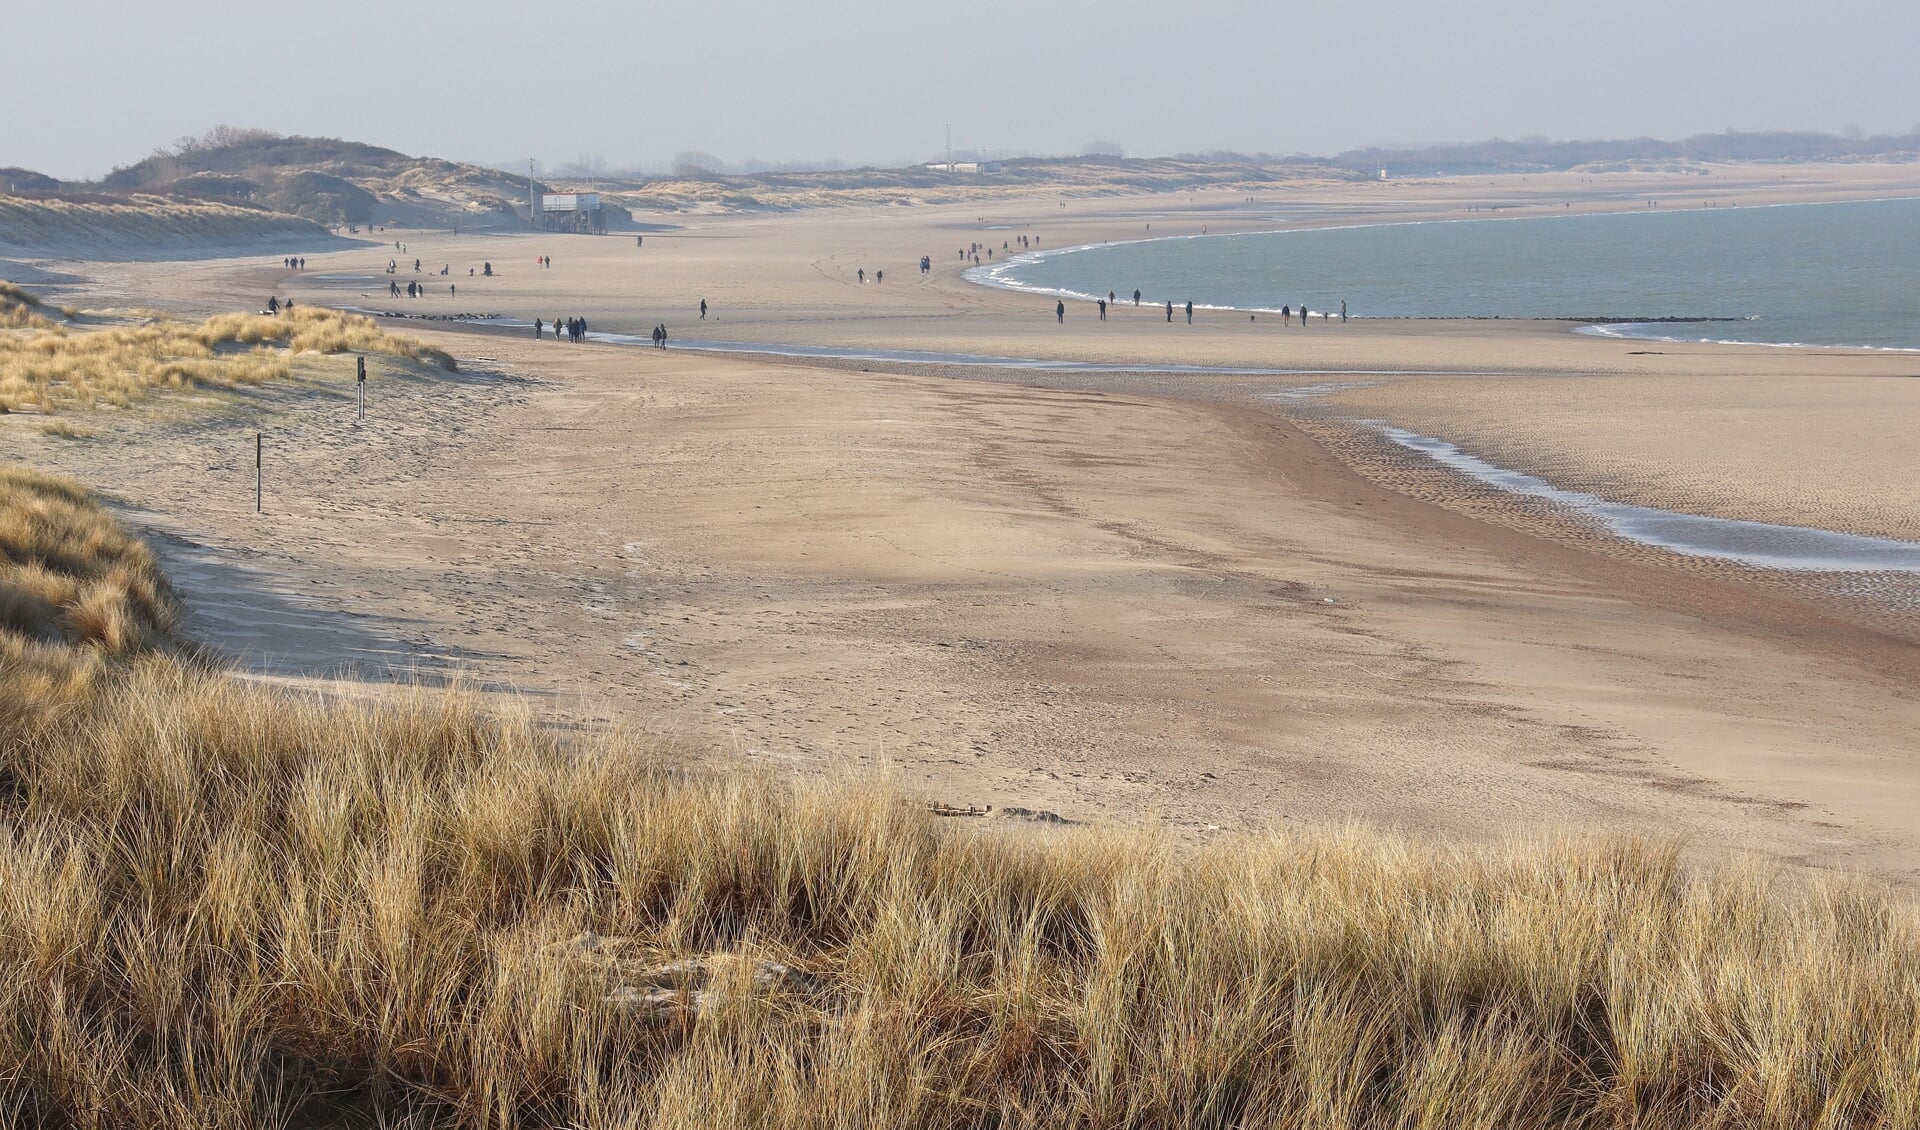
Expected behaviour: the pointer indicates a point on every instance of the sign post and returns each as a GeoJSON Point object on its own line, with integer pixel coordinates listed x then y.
{"type": "Point", "coordinates": [256, 472]}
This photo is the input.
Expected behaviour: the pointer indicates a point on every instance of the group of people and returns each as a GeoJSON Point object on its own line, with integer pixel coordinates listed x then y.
{"type": "Point", "coordinates": [418, 289]}
{"type": "Point", "coordinates": [275, 306]}
{"type": "Point", "coordinates": [574, 328]}
{"type": "Point", "coordinates": [294, 264]}
{"type": "Point", "coordinates": [1286, 312]}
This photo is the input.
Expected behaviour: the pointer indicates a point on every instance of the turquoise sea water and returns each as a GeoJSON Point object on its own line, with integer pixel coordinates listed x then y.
{"type": "Point", "coordinates": [1817, 274]}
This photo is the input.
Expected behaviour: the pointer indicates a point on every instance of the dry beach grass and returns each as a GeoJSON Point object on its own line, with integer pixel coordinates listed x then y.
{"type": "Point", "coordinates": [138, 223]}
{"type": "Point", "coordinates": [225, 904]}
{"type": "Point", "coordinates": [118, 364]}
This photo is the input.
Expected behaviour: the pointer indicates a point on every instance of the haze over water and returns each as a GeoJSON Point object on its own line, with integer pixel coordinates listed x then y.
{"type": "Point", "coordinates": [1818, 274]}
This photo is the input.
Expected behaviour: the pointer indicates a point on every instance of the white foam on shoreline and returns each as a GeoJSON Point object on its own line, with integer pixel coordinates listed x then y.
{"type": "Point", "coordinates": [1760, 544]}
{"type": "Point", "coordinates": [999, 275]}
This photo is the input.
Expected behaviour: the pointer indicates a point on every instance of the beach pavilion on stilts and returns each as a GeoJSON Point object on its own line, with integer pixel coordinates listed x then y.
{"type": "Point", "coordinates": [578, 212]}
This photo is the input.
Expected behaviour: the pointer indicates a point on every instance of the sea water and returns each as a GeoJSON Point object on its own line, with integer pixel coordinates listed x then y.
{"type": "Point", "coordinates": [1844, 274]}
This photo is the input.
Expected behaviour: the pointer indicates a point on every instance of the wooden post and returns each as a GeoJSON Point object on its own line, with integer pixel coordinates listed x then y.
{"type": "Point", "coordinates": [256, 472]}
{"type": "Point", "coordinates": [363, 386]}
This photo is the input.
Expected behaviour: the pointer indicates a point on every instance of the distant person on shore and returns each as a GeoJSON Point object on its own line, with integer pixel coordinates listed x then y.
{"type": "Point", "coordinates": [879, 276]}
{"type": "Point", "coordinates": [1189, 311]}
{"type": "Point", "coordinates": [663, 335]}
{"type": "Point", "coordinates": [273, 305]}
{"type": "Point", "coordinates": [416, 266]}
{"type": "Point", "coordinates": [1060, 311]}
{"type": "Point", "coordinates": [487, 269]}
{"type": "Point", "coordinates": [539, 329]}
{"type": "Point", "coordinates": [1110, 301]}
{"type": "Point", "coordinates": [1303, 315]}
{"type": "Point", "coordinates": [1103, 309]}
{"type": "Point", "coordinates": [703, 309]}
{"type": "Point", "coordinates": [1286, 315]}
{"type": "Point", "coordinates": [453, 289]}
{"type": "Point", "coordinates": [1169, 311]}
{"type": "Point", "coordinates": [862, 275]}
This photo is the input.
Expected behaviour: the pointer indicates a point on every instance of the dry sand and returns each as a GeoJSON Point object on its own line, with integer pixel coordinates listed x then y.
{"type": "Point", "coordinates": [1123, 598]}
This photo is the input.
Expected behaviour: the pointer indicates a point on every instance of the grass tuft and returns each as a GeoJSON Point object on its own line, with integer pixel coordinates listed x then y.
{"type": "Point", "coordinates": [21, 309]}
{"type": "Point", "coordinates": [118, 365]}
{"type": "Point", "coordinates": [228, 905]}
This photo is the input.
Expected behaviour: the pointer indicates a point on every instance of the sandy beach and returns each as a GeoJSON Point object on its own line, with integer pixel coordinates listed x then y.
{"type": "Point", "coordinates": [1202, 601]}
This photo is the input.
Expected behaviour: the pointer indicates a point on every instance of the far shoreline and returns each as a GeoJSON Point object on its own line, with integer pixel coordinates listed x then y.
{"type": "Point", "coordinates": [993, 275]}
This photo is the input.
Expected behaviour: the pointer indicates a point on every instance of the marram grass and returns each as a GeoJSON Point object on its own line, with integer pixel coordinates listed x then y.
{"type": "Point", "coordinates": [224, 905]}
{"type": "Point", "coordinates": [56, 368]}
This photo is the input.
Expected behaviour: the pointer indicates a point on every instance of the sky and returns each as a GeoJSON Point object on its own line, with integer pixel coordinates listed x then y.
{"type": "Point", "coordinates": [95, 85]}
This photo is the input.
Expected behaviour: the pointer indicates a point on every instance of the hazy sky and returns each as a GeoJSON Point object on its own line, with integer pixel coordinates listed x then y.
{"type": "Point", "coordinates": [95, 84]}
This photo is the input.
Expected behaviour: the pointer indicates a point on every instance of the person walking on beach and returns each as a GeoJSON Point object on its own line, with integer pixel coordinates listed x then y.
{"type": "Point", "coordinates": [862, 275]}
{"type": "Point", "coordinates": [539, 329]}
{"type": "Point", "coordinates": [1103, 309]}
{"type": "Point", "coordinates": [1136, 296]}
{"type": "Point", "coordinates": [703, 309]}
{"type": "Point", "coordinates": [1060, 311]}
{"type": "Point", "coordinates": [1109, 298]}
{"type": "Point", "coordinates": [879, 276]}
{"type": "Point", "coordinates": [1343, 310]}
{"type": "Point", "coordinates": [1189, 311]}
{"type": "Point", "coordinates": [1286, 315]}
{"type": "Point", "coordinates": [663, 335]}
{"type": "Point", "coordinates": [1169, 311]}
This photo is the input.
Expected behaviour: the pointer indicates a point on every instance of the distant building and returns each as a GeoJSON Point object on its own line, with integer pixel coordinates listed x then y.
{"type": "Point", "coordinates": [572, 211]}
{"type": "Point", "coordinates": [964, 166]}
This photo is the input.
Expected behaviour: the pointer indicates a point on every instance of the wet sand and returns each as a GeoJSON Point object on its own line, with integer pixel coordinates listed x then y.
{"type": "Point", "coordinates": [1190, 599]}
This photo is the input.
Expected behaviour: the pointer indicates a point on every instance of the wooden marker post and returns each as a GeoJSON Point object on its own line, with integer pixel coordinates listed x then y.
{"type": "Point", "coordinates": [363, 386]}
{"type": "Point", "coordinates": [256, 472]}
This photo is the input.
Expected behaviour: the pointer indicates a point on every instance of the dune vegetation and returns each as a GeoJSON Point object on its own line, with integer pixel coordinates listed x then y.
{"type": "Point", "coordinates": [21, 309]}
{"type": "Point", "coordinates": [118, 364]}
{"type": "Point", "coordinates": [140, 224]}
{"type": "Point", "coordinates": [229, 905]}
